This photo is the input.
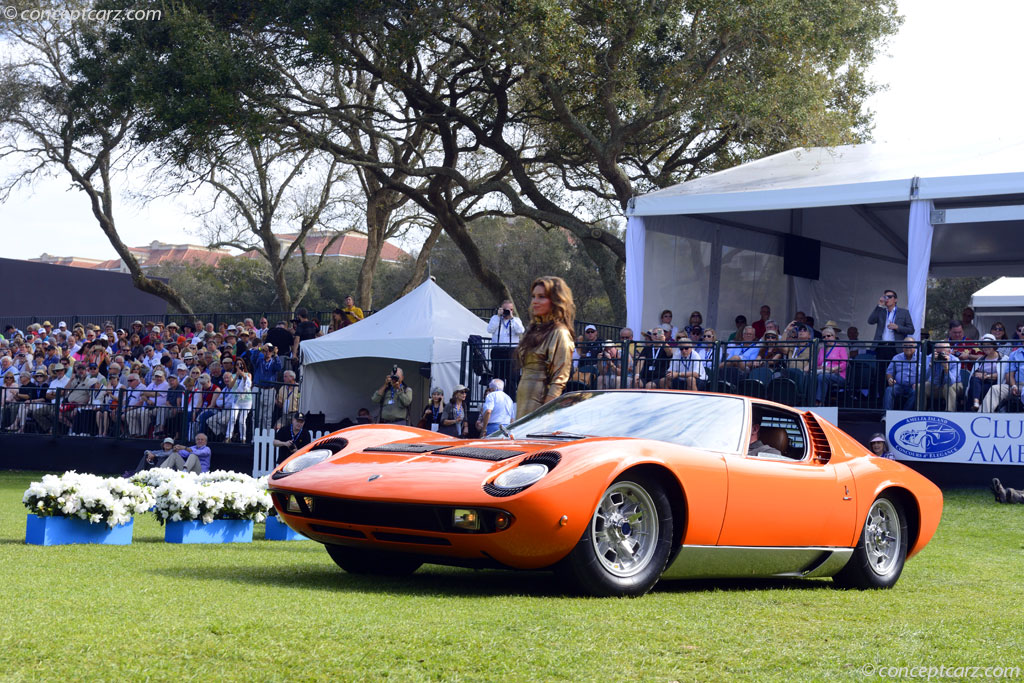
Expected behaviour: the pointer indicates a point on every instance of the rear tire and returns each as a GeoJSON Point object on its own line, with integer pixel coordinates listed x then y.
{"type": "Point", "coordinates": [878, 559]}
{"type": "Point", "coordinates": [378, 562]}
{"type": "Point", "coordinates": [626, 545]}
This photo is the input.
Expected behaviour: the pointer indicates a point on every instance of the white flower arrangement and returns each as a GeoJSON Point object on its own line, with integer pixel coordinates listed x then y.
{"type": "Point", "coordinates": [95, 499]}
{"type": "Point", "coordinates": [156, 476]}
{"type": "Point", "coordinates": [224, 475]}
{"type": "Point", "coordinates": [189, 498]}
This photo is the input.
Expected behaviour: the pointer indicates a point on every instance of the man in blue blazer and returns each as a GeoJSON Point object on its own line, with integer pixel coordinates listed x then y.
{"type": "Point", "coordinates": [892, 324]}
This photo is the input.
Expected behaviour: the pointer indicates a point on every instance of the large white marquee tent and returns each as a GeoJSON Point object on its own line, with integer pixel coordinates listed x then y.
{"type": "Point", "coordinates": [886, 217]}
{"type": "Point", "coordinates": [341, 370]}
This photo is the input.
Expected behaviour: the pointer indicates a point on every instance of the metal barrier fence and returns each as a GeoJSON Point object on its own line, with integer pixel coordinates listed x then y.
{"type": "Point", "coordinates": [124, 413]}
{"type": "Point", "coordinates": [858, 376]}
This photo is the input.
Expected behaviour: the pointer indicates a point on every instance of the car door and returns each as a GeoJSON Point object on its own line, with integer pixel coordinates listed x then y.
{"type": "Point", "coordinates": [781, 502]}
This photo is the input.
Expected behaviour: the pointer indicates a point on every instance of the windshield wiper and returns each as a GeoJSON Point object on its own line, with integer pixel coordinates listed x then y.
{"type": "Point", "coordinates": [504, 430]}
{"type": "Point", "coordinates": [557, 435]}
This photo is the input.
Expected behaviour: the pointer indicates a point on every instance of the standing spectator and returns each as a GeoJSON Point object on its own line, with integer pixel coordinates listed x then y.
{"type": "Point", "coordinates": [505, 329]}
{"type": "Point", "coordinates": [987, 372]}
{"type": "Point", "coordinates": [265, 366]}
{"type": "Point", "coordinates": [759, 325]}
{"type": "Point", "coordinates": [243, 402]}
{"type": "Point", "coordinates": [291, 437]}
{"type": "Point", "coordinates": [967, 320]}
{"type": "Point", "coordinates": [175, 400]}
{"type": "Point", "coordinates": [434, 411]}
{"type": "Point", "coordinates": [901, 377]}
{"type": "Point", "coordinates": [853, 334]}
{"type": "Point", "coordinates": [879, 447]}
{"type": "Point", "coordinates": [281, 338]}
{"type": "Point", "coordinates": [305, 329]}
{"type": "Point", "coordinates": [942, 377]}
{"type": "Point", "coordinates": [136, 413]}
{"type": "Point", "coordinates": [157, 398]}
{"type": "Point", "coordinates": [497, 410]}
{"type": "Point", "coordinates": [832, 358]}
{"type": "Point", "coordinates": [286, 403]}
{"type": "Point", "coordinates": [393, 398]}
{"type": "Point", "coordinates": [891, 324]}
{"type": "Point", "coordinates": [454, 422]}
{"type": "Point", "coordinates": [263, 329]}
{"type": "Point", "coordinates": [338, 320]}
{"type": "Point", "coordinates": [352, 312]}
{"type": "Point", "coordinates": [545, 349]}
{"type": "Point", "coordinates": [9, 400]}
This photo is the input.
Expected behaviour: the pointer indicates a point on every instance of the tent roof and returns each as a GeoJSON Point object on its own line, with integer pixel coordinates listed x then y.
{"type": "Point", "coordinates": [409, 328]}
{"type": "Point", "coordinates": [1004, 292]}
{"type": "Point", "coordinates": [851, 174]}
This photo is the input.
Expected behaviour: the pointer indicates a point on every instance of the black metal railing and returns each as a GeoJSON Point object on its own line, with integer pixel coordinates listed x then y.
{"type": "Point", "coordinates": [857, 375]}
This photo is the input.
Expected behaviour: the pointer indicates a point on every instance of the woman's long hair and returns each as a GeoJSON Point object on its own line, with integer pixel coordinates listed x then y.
{"type": "Point", "coordinates": [563, 314]}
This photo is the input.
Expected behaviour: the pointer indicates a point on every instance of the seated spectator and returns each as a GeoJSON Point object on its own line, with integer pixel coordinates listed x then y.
{"type": "Point", "coordinates": [151, 459]}
{"type": "Point", "coordinates": [760, 325]}
{"type": "Point", "coordinates": [434, 410]}
{"type": "Point", "coordinates": [136, 411]}
{"type": "Point", "coordinates": [609, 369]}
{"type": "Point", "coordinates": [1003, 343]}
{"type": "Point", "coordinates": [653, 363]}
{"type": "Point", "coordinates": [286, 402]}
{"type": "Point", "coordinates": [853, 334]}
{"type": "Point", "coordinates": [694, 333]}
{"type": "Point", "coordinates": [363, 417]}
{"type": "Point", "coordinates": [964, 349]}
{"type": "Point", "coordinates": [497, 411]}
{"type": "Point", "coordinates": [832, 358]}
{"type": "Point", "coordinates": [195, 459]}
{"type": "Point", "coordinates": [988, 372]}
{"type": "Point", "coordinates": [666, 320]}
{"type": "Point", "coordinates": [901, 378]}
{"type": "Point", "coordinates": [687, 370]}
{"type": "Point", "coordinates": [1010, 387]}
{"type": "Point", "coordinates": [879, 447]}
{"type": "Point", "coordinates": [291, 437]}
{"type": "Point", "coordinates": [222, 408]}
{"type": "Point", "coordinates": [741, 324]}
{"type": "Point", "coordinates": [76, 395]}
{"type": "Point", "coordinates": [44, 413]}
{"type": "Point", "coordinates": [942, 376]}
{"type": "Point", "coordinates": [740, 354]}
{"type": "Point", "coordinates": [800, 352]}
{"type": "Point", "coordinates": [9, 400]}
{"type": "Point", "coordinates": [708, 350]}
{"type": "Point", "coordinates": [588, 353]}
{"type": "Point", "coordinates": [770, 355]}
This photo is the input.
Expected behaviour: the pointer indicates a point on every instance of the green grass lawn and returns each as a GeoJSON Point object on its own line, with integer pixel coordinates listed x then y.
{"type": "Point", "coordinates": [283, 611]}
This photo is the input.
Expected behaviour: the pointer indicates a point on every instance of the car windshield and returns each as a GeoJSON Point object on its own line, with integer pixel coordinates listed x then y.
{"type": "Point", "coordinates": [698, 420]}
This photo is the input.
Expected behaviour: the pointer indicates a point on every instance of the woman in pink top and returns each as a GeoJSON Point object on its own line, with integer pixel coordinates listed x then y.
{"type": "Point", "coordinates": [831, 364]}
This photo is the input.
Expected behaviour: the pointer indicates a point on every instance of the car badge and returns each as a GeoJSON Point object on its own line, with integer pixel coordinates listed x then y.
{"type": "Point", "coordinates": [373, 476]}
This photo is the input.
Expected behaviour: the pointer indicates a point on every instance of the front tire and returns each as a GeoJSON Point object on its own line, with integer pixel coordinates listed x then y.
{"type": "Point", "coordinates": [626, 545]}
{"type": "Point", "coordinates": [881, 552]}
{"type": "Point", "coordinates": [378, 562]}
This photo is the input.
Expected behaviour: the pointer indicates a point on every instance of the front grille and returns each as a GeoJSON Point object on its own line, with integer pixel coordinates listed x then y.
{"type": "Point", "coordinates": [480, 453]}
{"type": "Point", "coordinates": [409, 516]}
{"type": "Point", "coordinates": [404, 448]}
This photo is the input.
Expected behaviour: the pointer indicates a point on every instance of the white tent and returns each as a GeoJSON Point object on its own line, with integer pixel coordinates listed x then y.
{"type": "Point", "coordinates": [1002, 300]}
{"type": "Point", "coordinates": [342, 370]}
{"type": "Point", "coordinates": [885, 217]}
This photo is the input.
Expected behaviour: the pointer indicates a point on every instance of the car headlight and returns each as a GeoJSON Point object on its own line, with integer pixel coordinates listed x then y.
{"type": "Point", "coordinates": [306, 460]}
{"type": "Point", "coordinates": [521, 476]}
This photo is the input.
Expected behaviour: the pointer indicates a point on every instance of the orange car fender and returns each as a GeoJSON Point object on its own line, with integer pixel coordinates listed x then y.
{"type": "Point", "coordinates": [698, 476]}
{"type": "Point", "coordinates": [363, 436]}
{"type": "Point", "coordinates": [877, 475]}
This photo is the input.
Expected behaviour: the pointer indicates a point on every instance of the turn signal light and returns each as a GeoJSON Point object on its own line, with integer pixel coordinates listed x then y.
{"type": "Point", "coordinates": [501, 521]}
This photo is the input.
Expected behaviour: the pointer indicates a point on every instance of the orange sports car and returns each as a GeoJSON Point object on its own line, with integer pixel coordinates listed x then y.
{"type": "Point", "coordinates": [614, 490]}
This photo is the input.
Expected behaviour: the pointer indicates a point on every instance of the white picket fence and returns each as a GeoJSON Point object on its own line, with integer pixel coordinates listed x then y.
{"type": "Point", "coordinates": [264, 455]}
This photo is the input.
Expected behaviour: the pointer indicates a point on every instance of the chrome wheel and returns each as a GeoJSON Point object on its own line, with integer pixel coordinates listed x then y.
{"type": "Point", "coordinates": [882, 537]}
{"type": "Point", "coordinates": [624, 531]}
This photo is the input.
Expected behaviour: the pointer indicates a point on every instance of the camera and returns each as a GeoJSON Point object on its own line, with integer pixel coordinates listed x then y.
{"type": "Point", "coordinates": [505, 313]}
{"type": "Point", "coordinates": [394, 374]}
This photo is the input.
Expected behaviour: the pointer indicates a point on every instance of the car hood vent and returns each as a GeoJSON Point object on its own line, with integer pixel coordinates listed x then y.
{"type": "Point", "coordinates": [405, 448]}
{"type": "Point", "coordinates": [494, 454]}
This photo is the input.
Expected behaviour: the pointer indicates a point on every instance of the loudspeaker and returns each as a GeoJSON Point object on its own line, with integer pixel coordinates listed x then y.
{"type": "Point", "coordinates": [802, 257]}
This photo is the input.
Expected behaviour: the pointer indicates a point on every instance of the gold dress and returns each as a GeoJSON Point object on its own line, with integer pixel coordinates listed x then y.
{"type": "Point", "coordinates": [546, 369]}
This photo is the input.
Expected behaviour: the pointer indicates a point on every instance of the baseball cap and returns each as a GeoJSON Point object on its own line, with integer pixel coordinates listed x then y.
{"type": "Point", "coordinates": [169, 440]}
{"type": "Point", "coordinates": [58, 366]}
{"type": "Point", "coordinates": [988, 337]}
{"type": "Point", "coordinates": [92, 365]}
{"type": "Point", "coordinates": [590, 328]}
{"type": "Point", "coordinates": [301, 417]}
{"type": "Point", "coordinates": [458, 388]}
{"type": "Point", "coordinates": [62, 324]}
{"type": "Point", "coordinates": [39, 373]}
{"type": "Point", "coordinates": [188, 354]}
{"type": "Point", "coordinates": [771, 333]}
{"type": "Point", "coordinates": [231, 328]}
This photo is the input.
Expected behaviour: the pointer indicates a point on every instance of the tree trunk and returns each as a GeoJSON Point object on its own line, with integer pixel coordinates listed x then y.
{"type": "Point", "coordinates": [455, 228]}
{"type": "Point", "coordinates": [611, 269]}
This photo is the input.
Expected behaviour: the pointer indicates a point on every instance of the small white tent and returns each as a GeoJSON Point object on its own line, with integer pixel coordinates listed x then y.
{"type": "Point", "coordinates": [342, 370]}
{"type": "Point", "coordinates": [1002, 300]}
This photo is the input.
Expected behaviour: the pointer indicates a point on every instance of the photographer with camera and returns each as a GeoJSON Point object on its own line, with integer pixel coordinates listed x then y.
{"type": "Point", "coordinates": [505, 328]}
{"type": "Point", "coordinates": [394, 398]}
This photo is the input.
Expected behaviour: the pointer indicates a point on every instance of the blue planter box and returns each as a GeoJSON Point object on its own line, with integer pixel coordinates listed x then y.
{"type": "Point", "coordinates": [66, 530]}
{"type": "Point", "coordinates": [279, 531]}
{"type": "Point", "coordinates": [217, 531]}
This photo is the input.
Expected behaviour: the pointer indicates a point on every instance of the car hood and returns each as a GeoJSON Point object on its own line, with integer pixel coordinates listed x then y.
{"type": "Point", "coordinates": [446, 471]}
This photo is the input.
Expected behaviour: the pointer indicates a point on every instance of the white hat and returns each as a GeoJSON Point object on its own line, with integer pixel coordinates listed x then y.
{"type": "Point", "coordinates": [588, 328]}
{"type": "Point", "coordinates": [988, 337]}
{"type": "Point", "coordinates": [62, 324]}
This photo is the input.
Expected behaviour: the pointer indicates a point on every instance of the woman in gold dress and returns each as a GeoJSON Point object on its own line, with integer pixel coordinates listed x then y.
{"type": "Point", "coordinates": [545, 350]}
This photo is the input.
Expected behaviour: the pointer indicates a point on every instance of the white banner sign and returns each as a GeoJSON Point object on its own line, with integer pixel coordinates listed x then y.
{"type": "Point", "coordinates": [981, 438]}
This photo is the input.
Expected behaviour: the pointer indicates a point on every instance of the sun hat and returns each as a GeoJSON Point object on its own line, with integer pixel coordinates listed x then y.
{"type": "Point", "coordinates": [877, 437]}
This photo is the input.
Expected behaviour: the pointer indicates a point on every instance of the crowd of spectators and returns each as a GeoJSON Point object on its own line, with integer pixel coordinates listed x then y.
{"type": "Point", "coordinates": [157, 381]}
